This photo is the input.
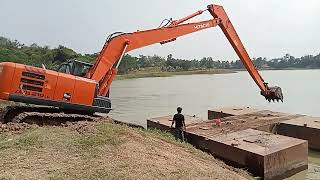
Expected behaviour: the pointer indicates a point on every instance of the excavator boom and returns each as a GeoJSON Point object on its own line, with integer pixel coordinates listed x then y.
{"type": "Point", "coordinates": [270, 93]}
{"type": "Point", "coordinates": [116, 46]}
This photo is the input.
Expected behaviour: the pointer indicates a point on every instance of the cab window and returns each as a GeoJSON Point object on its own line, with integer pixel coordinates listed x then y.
{"type": "Point", "coordinates": [65, 68]}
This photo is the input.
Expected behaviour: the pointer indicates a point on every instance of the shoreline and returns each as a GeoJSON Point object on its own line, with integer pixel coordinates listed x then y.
{"type": "Point", "coordinates": [144, 74]}
{"type": "Point", "coordinates": [277, 69]}
{"type": "Point", "coordinates": [149, 74]}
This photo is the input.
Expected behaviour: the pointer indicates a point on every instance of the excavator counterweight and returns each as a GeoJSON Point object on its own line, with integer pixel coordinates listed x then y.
{"type": "Point", "coordinates": [83, 87]}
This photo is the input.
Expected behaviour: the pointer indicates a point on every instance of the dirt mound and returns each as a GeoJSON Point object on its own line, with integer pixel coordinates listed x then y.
{"type": "Point", "coordinates": [80, 126]}
{"type": "Point", "coordinates": [102, 150]}
{"type": "Point", "coordinates": [14, 127]}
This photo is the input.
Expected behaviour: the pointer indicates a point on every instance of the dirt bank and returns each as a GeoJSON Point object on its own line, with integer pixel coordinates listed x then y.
{"type": "Point", "coordinates": [102, 150]}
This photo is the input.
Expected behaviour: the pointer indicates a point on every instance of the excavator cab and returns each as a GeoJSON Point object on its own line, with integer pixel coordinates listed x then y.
{"type": "Point", "coordinates": [75, 67]}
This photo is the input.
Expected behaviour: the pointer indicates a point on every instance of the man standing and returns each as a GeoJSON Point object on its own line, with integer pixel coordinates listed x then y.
{"type": "Point", "coordinates": [178, 120]}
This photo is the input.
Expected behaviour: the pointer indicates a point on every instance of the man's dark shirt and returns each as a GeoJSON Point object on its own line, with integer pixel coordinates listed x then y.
{"type": "Point", "coordinates": [179, 120]}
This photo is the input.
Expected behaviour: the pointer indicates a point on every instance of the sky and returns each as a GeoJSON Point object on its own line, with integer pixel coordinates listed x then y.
{"type": "Point", "coordinates": [267, 28]}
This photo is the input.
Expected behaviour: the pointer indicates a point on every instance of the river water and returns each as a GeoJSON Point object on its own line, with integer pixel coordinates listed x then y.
{"type": "Point", "coordinates": [135, 100]}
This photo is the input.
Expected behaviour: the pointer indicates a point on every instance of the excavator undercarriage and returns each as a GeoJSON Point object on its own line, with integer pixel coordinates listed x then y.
{"type": "Point", "coordinates": [41, 115]}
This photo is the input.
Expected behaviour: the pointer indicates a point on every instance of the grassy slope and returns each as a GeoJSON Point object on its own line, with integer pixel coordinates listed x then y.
{"type": "Point", "coordinates": [104, 151]}
{"type": "Point", "coordinates": [144, 74]}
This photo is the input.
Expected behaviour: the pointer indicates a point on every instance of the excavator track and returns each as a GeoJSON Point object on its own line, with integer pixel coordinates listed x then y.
{"type": "Point", "coordinates": [41, 115]}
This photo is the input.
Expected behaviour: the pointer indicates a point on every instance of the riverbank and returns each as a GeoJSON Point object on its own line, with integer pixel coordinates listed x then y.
{"type": "Point", "coordinates": [152, 73]}
{"type": "Point", "coordinates": [103, 150]}
{"type": "Point", "coordinates": [278, 69]}
{"type": "Point", "coordinates": [158, 73]}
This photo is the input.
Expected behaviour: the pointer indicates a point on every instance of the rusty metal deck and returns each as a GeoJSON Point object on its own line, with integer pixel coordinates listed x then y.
{"type": "Point", "coordinates": [307, 128]}
{"type": "Point", "coordinates": [260, 120]}
{"type": "Point", "coordinates": [262, 153]}
{"type": "Point", "coordinates": [229, 111]}
{"type": "Point", "coordinates": [292, 125]}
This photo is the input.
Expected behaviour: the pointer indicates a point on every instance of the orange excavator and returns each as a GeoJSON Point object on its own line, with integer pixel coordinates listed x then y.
{"type": "Point", "coordinates": [83, 87]}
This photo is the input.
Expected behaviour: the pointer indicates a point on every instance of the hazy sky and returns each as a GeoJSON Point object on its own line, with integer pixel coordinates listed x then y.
{"type": "Point", "coordinates": [267, 28]}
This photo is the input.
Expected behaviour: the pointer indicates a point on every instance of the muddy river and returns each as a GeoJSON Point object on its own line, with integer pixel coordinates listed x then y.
{"type": "Point", "coordinates": [137, 99]}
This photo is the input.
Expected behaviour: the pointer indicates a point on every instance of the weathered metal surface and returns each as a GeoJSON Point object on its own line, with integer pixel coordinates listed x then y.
{"type": "Point", "coordinates": [229, 111]}
{"type": "Point", "coordinates": [262, 153]}
{"type": "Point", "coordinates": [307, 128]}
{"type": "Point", "coordinates": [261, 120]}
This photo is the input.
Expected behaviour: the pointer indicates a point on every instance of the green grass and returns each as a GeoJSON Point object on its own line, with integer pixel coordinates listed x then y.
{"type": "Point", "coordinates": [30, 139]}
{"type": "Point", "coordinates": [103, 151]}
{"type": "Point", "coordinates": [105, 135]}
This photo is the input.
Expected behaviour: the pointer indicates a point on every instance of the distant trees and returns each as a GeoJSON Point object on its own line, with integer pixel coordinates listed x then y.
{"type": "Point", "coordinates": [62, 54]}
{"type": "Point", "coordinates": [170, 63]}
{"type": "Point", "coordinates": [36, 55]}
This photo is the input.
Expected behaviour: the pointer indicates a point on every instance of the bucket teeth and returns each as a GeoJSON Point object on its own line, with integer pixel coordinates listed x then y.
{"type": "Point", "coordinates": [273, 93]}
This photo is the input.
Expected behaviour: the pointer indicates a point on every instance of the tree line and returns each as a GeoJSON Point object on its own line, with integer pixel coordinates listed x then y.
{"type": "Point", "coordinates": [13, 50]}
{"type": "Point", "coordinates": [35, 55]}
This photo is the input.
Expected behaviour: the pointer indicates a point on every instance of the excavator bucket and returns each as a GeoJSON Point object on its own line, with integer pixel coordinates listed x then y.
{"type": "Point", "coordinates": [273, 94]}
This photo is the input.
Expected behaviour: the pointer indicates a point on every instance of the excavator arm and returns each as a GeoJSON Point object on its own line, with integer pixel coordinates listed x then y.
{"type": "Point", "coordinates": [270, 93]}
{"type": "Point", "coordinates": [105, 68]}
